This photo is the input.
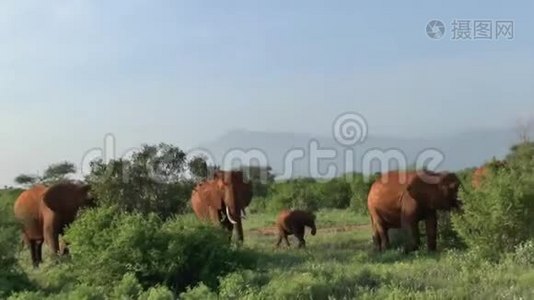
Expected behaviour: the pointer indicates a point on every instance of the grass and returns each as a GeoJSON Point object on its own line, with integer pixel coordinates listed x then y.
{"type": "Point", "coordinates": [340, 263]}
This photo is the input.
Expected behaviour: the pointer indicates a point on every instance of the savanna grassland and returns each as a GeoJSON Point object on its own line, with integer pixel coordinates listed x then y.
{"type": "Point", "coordinates": [339, 263]}
{"type": "Point", "coordinates": [118, 251]}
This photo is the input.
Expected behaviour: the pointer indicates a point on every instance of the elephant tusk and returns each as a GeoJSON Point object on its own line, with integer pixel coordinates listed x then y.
{"type": "Point", "coordinates": [243, 214]}
{"type": "Point", "coordinates": [229, 217]}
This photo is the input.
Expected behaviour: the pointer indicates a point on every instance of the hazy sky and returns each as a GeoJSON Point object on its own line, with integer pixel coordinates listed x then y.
{"type": "Point", "coordinates": [188, 72]}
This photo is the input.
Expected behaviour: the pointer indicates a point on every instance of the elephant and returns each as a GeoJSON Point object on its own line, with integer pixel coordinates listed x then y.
{"type": "Point", "coordinates": [44, 212]}
{"type": "Point", "coordinates": [222, 200]}
{"type": "Point", "coordinates": [402, 199]}
{"type": "Point", "coordinates": [294, 222]}
{"type": "Point", "coordinates": [27, 209]}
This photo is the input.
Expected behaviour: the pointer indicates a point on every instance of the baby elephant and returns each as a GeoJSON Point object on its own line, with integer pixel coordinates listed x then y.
{"type": "Point", "coordinates": [293, 222]}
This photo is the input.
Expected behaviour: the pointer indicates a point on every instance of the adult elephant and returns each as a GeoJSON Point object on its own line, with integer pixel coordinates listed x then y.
{"type": "Point", "coordinates": [402, 199]}
{"type": "Point", "coordinates": [223, 200]}
{"type": "Point", "coordinates": [44, 212]}
{"type": "Point", "coordinates": [27, 209]}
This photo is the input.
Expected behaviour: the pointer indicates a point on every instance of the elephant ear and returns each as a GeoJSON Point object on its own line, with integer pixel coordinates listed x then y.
{"type": "Point", "coordinates": [64, 198]}
{"type": "Point", "coordinates": [246, 193]}
{"type": "Point", "coordinates": [212, 193]}
{"type": "Point", "coordinates": [424, 188]}
{"type": "Point", "coordinates": [242, 187]}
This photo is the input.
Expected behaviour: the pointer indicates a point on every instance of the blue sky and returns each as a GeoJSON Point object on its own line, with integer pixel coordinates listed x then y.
{"type": "Point", "coordinates": [188, 72]}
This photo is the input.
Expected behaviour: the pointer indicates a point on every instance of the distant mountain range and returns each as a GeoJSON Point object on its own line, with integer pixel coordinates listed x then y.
{"type": "Point", "coordinates": [459, 151]}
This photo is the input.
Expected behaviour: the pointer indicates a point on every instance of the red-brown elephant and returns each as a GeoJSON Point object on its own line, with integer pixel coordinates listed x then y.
{"type": "Point", "coordinates": [402, 199]}
{"type": "Point", "coordinates": [294, 222]}
{"type": "Point", "coordinates": [44, 212]}
{"type": "Point", "coordinates": [223, 200]}
{"type": "Point", "coordinates": [27, 209]}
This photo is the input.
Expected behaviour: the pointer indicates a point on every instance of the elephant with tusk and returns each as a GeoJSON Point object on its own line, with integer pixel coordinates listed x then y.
{"type": "Point", "coordinates": [223, 200]}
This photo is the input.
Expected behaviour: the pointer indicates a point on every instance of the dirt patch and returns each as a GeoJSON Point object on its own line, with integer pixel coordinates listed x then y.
{"type": "Point", "coordinates": [343, 228]}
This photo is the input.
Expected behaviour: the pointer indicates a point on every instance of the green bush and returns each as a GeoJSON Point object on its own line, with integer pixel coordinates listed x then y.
{"type": "Point", "coordinates": [335, 193]}
{"type": "Point", "coordinates": [524, 254]}
{"type": "Point", "coordinates": [157, 293]}
{"type": "Point", "coordinates": [360, 186]}
{"type": "Point", "coordinates": [309, 194]}
{"type": "Point", "coordinates": [11, 276]}
{"type": "Point", "coordinates": [295, 194]}
{"type": "Point", "coordinates": [521, 156]}
{"type": "Point", "coordinates": [106, 244]}
{"type": "Point", "coordinates": [316, 282]}
{"type": "Point", "coordinates": [448, 236]}
{"type": "Point", "coordinates": [498, 216]}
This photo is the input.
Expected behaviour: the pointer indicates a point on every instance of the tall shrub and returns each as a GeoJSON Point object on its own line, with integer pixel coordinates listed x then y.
{"type": "Point", "coordinates": [498, 215]}
{"type": "Point", "coordinates": [106, 244]}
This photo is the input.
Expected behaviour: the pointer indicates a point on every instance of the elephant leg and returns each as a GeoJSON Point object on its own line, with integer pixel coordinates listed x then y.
{"type": "Point", "coordinates": [287, 240]}
{"type": "Point", "coordinates": [382, 237]}
{"type": "Point", "coordinates": [216, 217]}
{"type": "Point", "coordinates": [377, 241]}
{"type": "Point", "coordinates": [431, 226]}
{"type": "Point", "coordinates": [52, 240]}
{"type": "Point", "coordinates": [281, 235]}
{"type": "Point", "coordinates": [33, 253]}
{"type": "Point", "coordinates": [299, 234]}
{"type": "Point", "coordinates": [239, 231]}
{"type": "Point", "coordinates": [39, 250]}
{"type": "Point", "coordinates": [413, 237]}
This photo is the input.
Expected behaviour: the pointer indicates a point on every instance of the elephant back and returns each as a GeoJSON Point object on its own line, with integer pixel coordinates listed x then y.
{"type": "Point", "coordinates": [28, 200]}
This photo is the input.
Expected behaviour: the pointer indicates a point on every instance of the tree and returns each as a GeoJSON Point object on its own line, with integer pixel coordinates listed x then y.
{"type": "Point", "coordinates": [58, 171]}
{"type": "Point", "coordinates": [152, 180]}
{"type": "Point", "coordinates": [198, 168]}
{"type": "Point", "coordinates": [26, 180]}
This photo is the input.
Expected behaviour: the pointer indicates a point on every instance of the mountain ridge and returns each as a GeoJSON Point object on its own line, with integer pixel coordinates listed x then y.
{"type": "Point", "coordinates": [461, 150]}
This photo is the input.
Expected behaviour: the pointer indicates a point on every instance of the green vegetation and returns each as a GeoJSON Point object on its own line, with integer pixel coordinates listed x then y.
{"type": "Point", "coordinates": [349, 191]}
{"type": "Point", "coordinates": [151, 181]}
{"type": "Point", "coordinates": [12, 278]}
{"type": "Point", "coordinates": [499, 215]}
{"type": "Point", "coordinates": [145, 243]}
